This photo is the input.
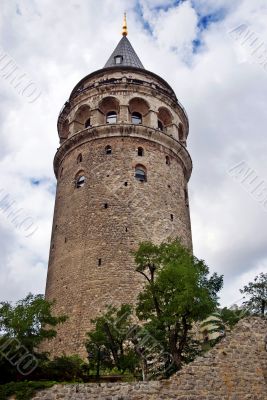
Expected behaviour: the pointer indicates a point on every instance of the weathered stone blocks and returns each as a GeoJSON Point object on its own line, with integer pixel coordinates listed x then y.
{"type": "Point", "coordinates": [97, 226]}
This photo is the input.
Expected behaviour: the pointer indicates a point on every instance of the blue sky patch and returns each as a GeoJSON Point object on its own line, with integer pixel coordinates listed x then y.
{"type": "Point", "coordinates": [35, 182]}
{"type": "Point", "coordinates": [205, 20]}
{"type": "Point", "coordinates": [139, 11]}
{"type": "Point", "coordinates": [166, 7]}
{"type": "Point", "coordinates": [50, 184]}
{"type": "Point", "coordinates": [197, 44]}
{"type": "Point", "coordinates": [18, 11]}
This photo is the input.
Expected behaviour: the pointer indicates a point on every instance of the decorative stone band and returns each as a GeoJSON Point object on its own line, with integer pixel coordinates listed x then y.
{"type": "Point", "coordinates": [124, 130]}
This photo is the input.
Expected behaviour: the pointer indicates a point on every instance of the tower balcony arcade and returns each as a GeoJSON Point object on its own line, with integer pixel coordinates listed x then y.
{"type": "Point", "coordinates": [145, 101]}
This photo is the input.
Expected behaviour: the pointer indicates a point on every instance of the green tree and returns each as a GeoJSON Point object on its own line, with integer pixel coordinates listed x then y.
{"type": "Point", "coordinates": [256, 291]}
{"type": "Point", "coordinates": [108, 345]}
{"type": "Point", "coordinates": [221, 321]}
{"type": "Point", "coordinates": [231, 316]}
{"type": "Point", "coordinates": [30, 321]}
{"type": "Point", "coordinates": [177, 293]}
{"type": "Point", "coordinates": [23, 327]}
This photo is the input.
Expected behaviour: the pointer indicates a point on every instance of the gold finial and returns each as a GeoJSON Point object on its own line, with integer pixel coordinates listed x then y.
{"type": "Point", "coordinates": [124, 27]}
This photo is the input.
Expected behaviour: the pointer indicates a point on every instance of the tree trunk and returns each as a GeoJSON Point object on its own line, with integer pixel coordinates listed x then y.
{"type": "Point", "coordinates": [177, 352]}
{"type": "Point", "coordinates": [98, 364]}
{"type": "Point", "coordinates": [113, 345]}
{"type": "Point", "coordinates": [263, 306]}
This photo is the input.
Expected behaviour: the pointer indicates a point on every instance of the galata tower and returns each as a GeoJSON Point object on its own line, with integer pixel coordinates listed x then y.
{"type": "Point", "coordinates": [122, 170]}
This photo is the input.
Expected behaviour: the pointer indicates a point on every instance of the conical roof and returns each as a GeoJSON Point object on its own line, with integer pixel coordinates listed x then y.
{"type": "Point", "coordinates": [124, 55]}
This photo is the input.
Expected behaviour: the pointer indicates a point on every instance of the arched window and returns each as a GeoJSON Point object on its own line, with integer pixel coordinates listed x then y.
{"type": "Point", "coordinates": [88, 123]}
{"type": "Point", "coordinates": [79, 158]}
{"type": "Point", "coordinates": [109, 108]}
{"type": "Point", "coordinates": [108, 149]}
{"type": "Point", "coordinates": [80, 181]}
{"type": "Point", "coordinates": [81, 117]}
{"type": "Point", "coordinates": [160, 126]}
{"type": "Point", "coordinates": [139, 110]}
{"type": "Point", "coordinates": [64, 131]}
{"type": "Point", "coordinates": [168, 160]}
{"type": "Point", "coordinates": [164, 118]}
{"type": "Point", "coordinates": [136, 118]}
{"type": "Point", "coordinates": [140, 151]}
{"type": "Point", "coordinates": [111, 117]}
{"type": "Point", "coordinates": [181, 132]}
{"type": "Point", "coordinates": [140, 173]}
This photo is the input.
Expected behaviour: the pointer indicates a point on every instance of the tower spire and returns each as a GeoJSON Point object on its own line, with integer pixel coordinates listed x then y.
{"type": "Point", "coordinates": [124, 26]}
{"type": "Point", "coordinates": [124, 54]}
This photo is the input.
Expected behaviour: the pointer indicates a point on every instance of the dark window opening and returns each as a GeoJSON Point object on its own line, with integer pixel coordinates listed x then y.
{"type": "Point", "coordinates": [180, 132]}
{"type": "Point", "coordinates": [171, 217]}
{"type": "Point", "coordinates": [99, 262]}
{"type": "Point", "coordinates": [140, 151]}
{"type": "Point", "coordinates": [118, 59]}
{"type": "Point", "coordinates": [79, 158]}
{"type": "Point", "coordinates": [88, 123]}
{"type": "Point", "coordinates": [140, 174]}
{"type": "Point", "coordinates": [125, 183]}
{"type": "Point", "coordinates": [186, 197]}
{"type": "Point", "coordinates": [160, 125]}
{"type": "Point", "coordinates": [168, 160]}
{"type": "Point", "coordinates": [111, 117]}
{"type": "Point", "coordinates": [80, 181]}
{"type": "Point", "coordinates": [126, 229]}
{"type": "Point", "coordinates": [108, 150]}
{"type": "Point", "coordinates": [136, 118]}
{"type": "Point", "coordinates": [169, 186]}
{"type": "Point", "coordinates": [106, 205]}
{"type": "Point", "coordinates": [65, 240]}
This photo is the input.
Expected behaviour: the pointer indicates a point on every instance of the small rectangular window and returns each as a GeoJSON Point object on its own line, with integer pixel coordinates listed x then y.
{"type": "Point", "coordinates": [118, 59]}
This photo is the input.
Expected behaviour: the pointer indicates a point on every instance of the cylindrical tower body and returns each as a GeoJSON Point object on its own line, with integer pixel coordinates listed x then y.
{"type": "Point", "coordinates": [122, 170]}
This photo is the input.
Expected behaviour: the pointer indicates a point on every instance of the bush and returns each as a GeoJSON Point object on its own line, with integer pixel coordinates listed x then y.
{"type": "Point", "coordinates": [23, 390]}
{"type": "Point", "coordinates": [64, 368]}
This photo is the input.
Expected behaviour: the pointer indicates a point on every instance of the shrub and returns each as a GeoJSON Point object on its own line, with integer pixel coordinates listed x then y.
{"type": "Point", "coordinates": [23, 390]}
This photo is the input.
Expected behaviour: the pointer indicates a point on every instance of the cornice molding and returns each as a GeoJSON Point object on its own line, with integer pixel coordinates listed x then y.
{"type": "Point", "coordinates": [124, 130]}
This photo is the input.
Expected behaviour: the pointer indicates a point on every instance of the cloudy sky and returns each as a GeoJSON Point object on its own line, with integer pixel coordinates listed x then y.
{"type": "Point", "coordinates": [213, 53]}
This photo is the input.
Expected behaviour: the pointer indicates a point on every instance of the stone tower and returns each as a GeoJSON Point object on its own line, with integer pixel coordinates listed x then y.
{"type": "Point", "coordinates": [122, 170]}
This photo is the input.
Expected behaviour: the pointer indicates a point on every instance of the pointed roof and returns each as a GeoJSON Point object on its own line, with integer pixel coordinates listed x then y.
{"type": "Point", "coordinates": [126, 51]}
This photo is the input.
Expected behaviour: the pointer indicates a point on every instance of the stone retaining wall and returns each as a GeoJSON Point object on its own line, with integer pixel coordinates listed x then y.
{"type": "Point", "coordinates": [236, 369]}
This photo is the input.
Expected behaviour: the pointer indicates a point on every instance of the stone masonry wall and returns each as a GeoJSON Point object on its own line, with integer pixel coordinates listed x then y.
{"type": "Point", "coordinates": [236, 369]}
{"type": "Point", "coordinates": [97, 227]}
